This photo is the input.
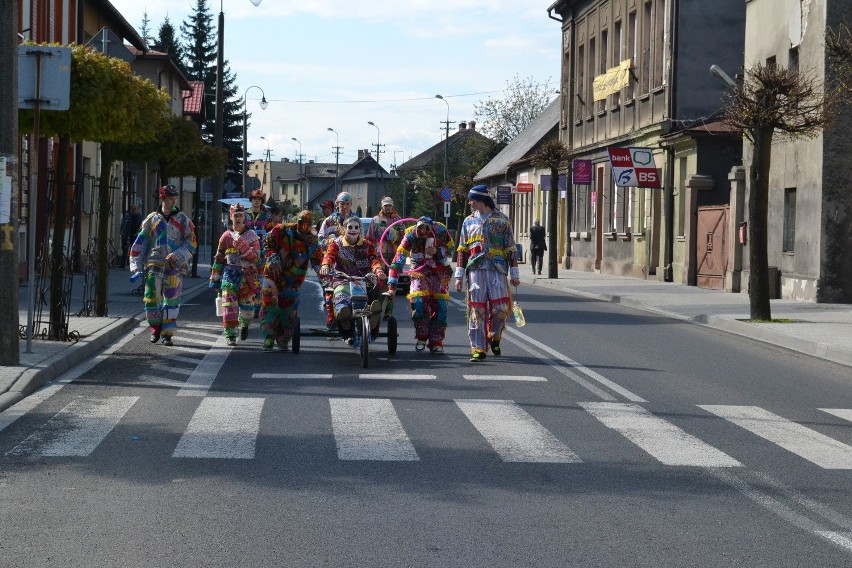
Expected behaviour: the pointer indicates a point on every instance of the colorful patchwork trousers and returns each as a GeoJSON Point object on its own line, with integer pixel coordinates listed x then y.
{"type": "Point", "coordinates": [488, 307]}
{"type": "Point", "coordinates": [163, 289]}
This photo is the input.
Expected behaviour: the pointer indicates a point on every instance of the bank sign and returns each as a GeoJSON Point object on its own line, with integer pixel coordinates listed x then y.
{"type": "Point", "coordinates": [634, 167]}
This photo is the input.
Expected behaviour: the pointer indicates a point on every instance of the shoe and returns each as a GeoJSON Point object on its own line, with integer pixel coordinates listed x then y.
{"type": "Point", "coordinates": [436, 349]}
{"type": "Point", "coordinates": [344, 318]}
{"type": "Point", "coordinates": [495, 348]}
{"type": "Point", "coordinates": [420, 346]}
{"type": "Point", "coordinates": [155, 336]}
{"type": "Point", "coordinates": [477, 357]}
{"type": "Point", "coordinates": [167, 340]}
{"type": "Point", "coordinates": [232, 342]}
{"type": "Point", "coordinates": [375, 314]}
{"type": "Point", "coordinates": [243, 332]}
{"type": "Point", "coordinates": [268, 344]}
{"type": "Point", "coordinates": [283, 345]}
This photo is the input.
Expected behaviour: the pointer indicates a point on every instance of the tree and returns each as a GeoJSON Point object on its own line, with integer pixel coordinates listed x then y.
{"type": "Point", "coordinates": [770, 100]}
{"type": "Point", "coordinates": [553, 155]}
{"type": "Point", "coordinates": [838, 45]}
{"type": "Point", "coordinates": [199, 43]}
{"type": "Point", "coordinates": [145, 29]}
{"type": "Point", "coordinates": [169, 43]}
{"type": "Point", "coordinates": [108, 104]}
{"type": "Point", "coordinates": [504, 118]}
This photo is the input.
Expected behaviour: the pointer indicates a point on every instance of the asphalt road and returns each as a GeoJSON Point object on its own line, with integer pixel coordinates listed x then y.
{"type": "Point", "coordinates": [603, 436]}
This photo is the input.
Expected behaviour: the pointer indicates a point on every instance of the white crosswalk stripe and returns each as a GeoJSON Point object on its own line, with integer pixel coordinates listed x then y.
{"type": "Point", "coordinates": [369, 429]}
{"type": "Point", "coordinates": [77, 429]}
{"type": "Point", "coordinates": [519, 378]}
{"type": "Point", "coordinates": [395, 377]}
{"type": "Point", "coordinates": [513, 433]}
{"type": "Point", "coordinates": [802, 441]}
{"type": "Point", "coordinates": [658, 437]}
{"type": "Point", "coordinates": [292, 376]}
{"type": "Point", "coordinates": [844, 413]}
{"type": "Point", "coordinates": [202, 377]}
{"type": "Point", "coordinates": [222, 428]}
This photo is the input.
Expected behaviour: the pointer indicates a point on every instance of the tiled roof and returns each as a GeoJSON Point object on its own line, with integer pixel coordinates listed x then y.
{"type": "Point", "coordinates": [193, 99]}
{"type": "Point", "coordinates": [454, 145]}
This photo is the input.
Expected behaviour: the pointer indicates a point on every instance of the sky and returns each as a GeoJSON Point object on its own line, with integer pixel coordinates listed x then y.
{"type": "Point", "coordinates": [340, 64]}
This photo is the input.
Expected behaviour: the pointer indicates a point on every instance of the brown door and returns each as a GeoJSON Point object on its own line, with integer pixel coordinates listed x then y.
{"type": "Point", "coordinates": [598, 201]}
{"type": "Point", "coordinates": [711, 249]}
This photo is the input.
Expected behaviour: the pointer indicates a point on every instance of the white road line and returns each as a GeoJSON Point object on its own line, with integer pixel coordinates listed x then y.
{"type": "Point", "coordinates": [171, 383]}
{"type": "Point", "coordinates": [185, 349]}
{"type": "Point", "coordinates": [521, 378]}
{"type": "Point", "coordinates": [394, 377]}
{"type": "Point", "coordinates": [840, 539]}
{"type": "Point", "coordinates": [222, 428]}
{"type": "Point", "coordinates": [185, 338]}
{"type": "Point", "coordinates": [202, 377]}
{"type": "Point", "coordinates": [207, 333]}
{"type": "Point", "coordinates": [296, 376]}
{"type": "Point", "coordinates": [844, 413]}
{"type": "Point", "coordinates": [661, 439]}
{"type": "Point", "coordinates": [196, 325]}
{"type": "Point", "coordinates": [802, 441]}
{"type": "Point", "coordinates": [514, 434]}
{"type": "Point", "coordinates": [582, 368]}
{"type": "Point", "coordinates": [172, 368]}
{"type": "Point", "coordinates": [182, 359]}
{"type": "Point", "coordinates": [22, 407]}
{"type": "Point", "coordinates": [77, 429]}
{"type": "Point", "coordinates": [369, 429]}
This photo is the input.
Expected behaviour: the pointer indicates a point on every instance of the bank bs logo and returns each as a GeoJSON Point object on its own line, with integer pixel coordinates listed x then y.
{"type": "Point", "coordinates": [634, 167]}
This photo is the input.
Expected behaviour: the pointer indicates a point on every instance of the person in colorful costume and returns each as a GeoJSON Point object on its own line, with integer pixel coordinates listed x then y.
{"type": "Point", "coordinates": [353, 255]}
{"type": "Point", "coordinates": [163, 251]}
{"type": "Point", "coordinates": [429, 245]}
{"type": "Point", "coordinates": [486, 255]}
{"type": "Point", "coordinates": [386, 249]}
{"type": "Point", "coordinates": [259, 220]}
{"type": "Point", "coordinates": [331, 228]}
{"type": "Point", "coordinates": [234, 272]}
{"type": "Point", "coordinates": [290, 249]}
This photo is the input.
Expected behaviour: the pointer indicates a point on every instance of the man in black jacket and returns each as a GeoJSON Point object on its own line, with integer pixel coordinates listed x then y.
{"type": "Point", "coordinates": [537, 246]}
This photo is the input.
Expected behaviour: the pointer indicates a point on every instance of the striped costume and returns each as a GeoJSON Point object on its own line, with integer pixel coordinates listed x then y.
{"type": "Point", "coordinates": [234, 270]}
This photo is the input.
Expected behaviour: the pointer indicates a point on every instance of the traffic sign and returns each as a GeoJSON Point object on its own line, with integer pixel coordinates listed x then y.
{"type": "Point", "coordinates": [447, 194]}
{"type": "Point", "coordinates": [446, 209]}
{"type": "Point", "coordinates": [523, 187]}
{"type": "Point", "coordinates": [634, 167]}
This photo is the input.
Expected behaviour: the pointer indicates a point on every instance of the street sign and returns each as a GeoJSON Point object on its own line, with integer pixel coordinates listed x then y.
{"type": "Point", "coordinates": [446, 209]}
{"type": "Point", "coordinates": [447, 194]}
{"type": "Point", "coordinates": [504, 195]}
{"type": "Point", "coordinates": [54, 80]}
{"type": "Point", "coordinates": [523, 187]}
{"type": "Point", "coordinates": [634, 167]}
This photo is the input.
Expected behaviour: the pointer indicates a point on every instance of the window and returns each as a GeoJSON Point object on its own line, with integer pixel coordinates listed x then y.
{"type": "Point", "coordinates": [617, 55]}
{"type": "Point", "coordinates": [632, 51]}
{"type": "Point", "coordinates": [589, 95]}
{"type": "Point", "coordinates": [645, 68]}
{"type": "Point", "coordinates": [581, 83]}
{"type": "Point", "coordinates": [789, 244]}
{"type": "Point", "coordinates": [770, 61]}
{"type": "Point", "coordinates": [681, 196]}
{"type": "Point", "coordinates": [793, 61]}
{"type": "Point", "coordinates": [602, 66]}
{"type": "Point", "coordinates": [659, 42]}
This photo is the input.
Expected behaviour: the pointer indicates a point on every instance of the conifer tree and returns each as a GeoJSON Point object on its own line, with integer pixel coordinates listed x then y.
{"type": "Point", "coordinates": [199, 43]}
{"type": "Point", "coordinates": [145, 30]}
{"type": "Point", "coordinates": [169, 43]}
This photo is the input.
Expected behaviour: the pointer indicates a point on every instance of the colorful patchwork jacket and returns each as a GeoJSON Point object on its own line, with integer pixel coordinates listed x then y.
{"type": "Point", "coordinates": [160, 236]}
{"type": "Point", "coordinates": [486, 242]}
{"type": "Point", "coordinates": [294, 252]}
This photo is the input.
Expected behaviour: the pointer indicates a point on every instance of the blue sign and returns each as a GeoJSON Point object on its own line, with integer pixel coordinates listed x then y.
{"type": "Point", "coordinates": [447, 194]}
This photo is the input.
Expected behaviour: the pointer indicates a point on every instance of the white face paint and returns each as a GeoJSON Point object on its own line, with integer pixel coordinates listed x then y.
{"type": "Point", "coordinates": [353, 231]}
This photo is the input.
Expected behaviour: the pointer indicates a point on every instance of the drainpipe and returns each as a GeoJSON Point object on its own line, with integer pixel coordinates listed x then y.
{"type": "Point", "coordinates": [668, 258]}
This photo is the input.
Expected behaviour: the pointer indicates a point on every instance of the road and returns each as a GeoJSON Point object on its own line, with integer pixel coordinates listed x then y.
{"type": "Point", "coordinates": [603, 436]}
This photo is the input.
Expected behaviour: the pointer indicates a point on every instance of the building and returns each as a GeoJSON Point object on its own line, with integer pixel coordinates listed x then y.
{"type": "Point", "coordinates": [633, 72]}
{"type": "Point", "coordinates": [365, 180]}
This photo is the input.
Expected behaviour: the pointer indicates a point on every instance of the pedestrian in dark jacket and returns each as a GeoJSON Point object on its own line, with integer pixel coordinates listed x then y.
{"type": "Point", "coordinates": [131, 222]}
{"type": "Point", "coordinates": [537, 246]}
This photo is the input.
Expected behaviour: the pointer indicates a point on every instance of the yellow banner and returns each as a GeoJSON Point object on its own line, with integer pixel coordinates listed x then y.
{"type": "Point", "coordinates": [615, 79]}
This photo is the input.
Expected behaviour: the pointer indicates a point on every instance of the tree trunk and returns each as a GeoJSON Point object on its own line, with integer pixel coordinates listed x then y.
{"type": "Point", "coordinates": [104, 206]}
{"type": "Point", "coordinates": [552, 203]}
{"type": "Point", "coordinates": [758, 208]}
{"type": "Point", "coordinates": [58, 326]}
{"type": "Point", "coordinates": [196, 212]}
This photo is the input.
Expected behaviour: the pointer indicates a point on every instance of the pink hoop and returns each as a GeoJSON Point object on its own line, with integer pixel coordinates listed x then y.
{"type": "Point", "coordinates": [384, 234]}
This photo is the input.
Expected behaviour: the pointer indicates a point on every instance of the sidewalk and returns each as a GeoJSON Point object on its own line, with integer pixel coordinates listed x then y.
{"type": "Point", "coordinates": [49, 359]}
{"type": "Point", "coordinates": [820, 330]}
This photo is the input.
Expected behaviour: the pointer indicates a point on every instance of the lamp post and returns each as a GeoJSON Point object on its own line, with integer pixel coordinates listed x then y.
{"type": "Point", "coordinates": [446, 136]}
{"type": "Point", "coordinates": [263, 105]}
{"type": "Point", "coordinates": [301, 193]}
{"type": "Point", "coordinates": [336, 160]}
{"type": "Point", "coordinates": [218, 129]}
{"type": "Point", "coordinates": [268, 159]}
{"type": "Point", "coordinates": [378, 152]}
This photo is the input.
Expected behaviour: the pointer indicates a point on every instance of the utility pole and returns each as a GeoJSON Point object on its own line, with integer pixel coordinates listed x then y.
{"type": "Point", "coordinates": [10, 353]}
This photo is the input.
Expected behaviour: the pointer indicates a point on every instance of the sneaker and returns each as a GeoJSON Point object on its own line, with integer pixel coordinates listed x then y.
{"type": "Point", "coordinates": [344, 318]}
{"type": "Point", "coordinates": [167, 340]}
{"type": "Point", "coordinates": [495, 348]}
{"type": "Point", "coordinates": [436, 349]}
{"type": "Point", "coordinates": [420, 345]}
{"type": "Point", "coordinates": [155, 336]}
{"type": "Point", "coordinates": [477, 357]}
{"type": "Point", "coordinates": [243, 332]}
{"type": "Point", "coordinates": [268, 344]}
{"type": "Point", "coordinates": [283, 345]}
{"type": "Point", "coordinates": [232, 341]}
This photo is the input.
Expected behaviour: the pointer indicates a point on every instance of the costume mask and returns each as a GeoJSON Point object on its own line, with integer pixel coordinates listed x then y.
{"type": "Point", "coordinates": [353, 230]}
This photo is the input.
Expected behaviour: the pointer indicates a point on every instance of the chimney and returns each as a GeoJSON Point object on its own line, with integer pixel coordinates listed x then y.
{"type": "Point", "coordinates": [462, 126]}
{"type": "Point", "coordinates": [310, 161]}
{"type": "Point", "coordinates": [360, 154]}
{"type": "Point", "coordinates": [471, 124]}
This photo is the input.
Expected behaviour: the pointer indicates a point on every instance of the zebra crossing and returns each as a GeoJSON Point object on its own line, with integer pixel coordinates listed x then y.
{"type": "Point", "coordinates": [372, 429]}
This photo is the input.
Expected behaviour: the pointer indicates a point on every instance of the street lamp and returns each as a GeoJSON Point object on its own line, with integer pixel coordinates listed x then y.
{"type": "Point", "coordinates": [218, 130]}
{"type": "Point", "coordinates": [336, 160]}
{"type": "Point", "coordinates": [268, 159]}
{"type": "Point", "coordinates": [378, 151]}
{"type": "Point", "coordinates": [446, 137]}
{"type": "Point", "coordinates": [263, 105]}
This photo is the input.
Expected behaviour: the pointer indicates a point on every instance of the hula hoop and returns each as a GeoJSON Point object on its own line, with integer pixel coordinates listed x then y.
{"type": "Point", "coordinates": [384, 234]}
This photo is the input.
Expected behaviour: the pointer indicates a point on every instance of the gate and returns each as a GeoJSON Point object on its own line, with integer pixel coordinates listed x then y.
{"type": "Point", "coordinates": [711, 250]}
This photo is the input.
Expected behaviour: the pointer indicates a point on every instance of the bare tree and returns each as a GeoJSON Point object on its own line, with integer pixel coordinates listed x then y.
{"type": "Point", "coordinates": [504, 118]}
{"type": "Point", "coordinates": [553, 155]}
{"type": "Point", "coordinates": [838, 46]}
{"type": "Point", "coordinates": [771, 100]}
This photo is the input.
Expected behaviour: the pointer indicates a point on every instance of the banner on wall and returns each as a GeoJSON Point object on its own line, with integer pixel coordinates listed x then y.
{"type": "Point", "coordinates": [581, 172]}
{"type": "Point", "coordinates": [634, 167]}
